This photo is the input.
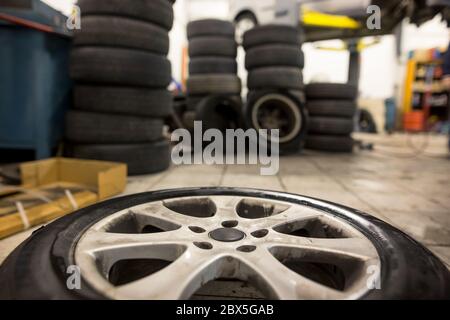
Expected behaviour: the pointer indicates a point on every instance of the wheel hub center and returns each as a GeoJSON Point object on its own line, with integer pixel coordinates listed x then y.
{"type": "Point", "coordinates": [227, 234]}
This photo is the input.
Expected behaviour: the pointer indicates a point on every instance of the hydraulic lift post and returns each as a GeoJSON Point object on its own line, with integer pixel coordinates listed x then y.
{"type": "Point", "coordinates": [354, 67]}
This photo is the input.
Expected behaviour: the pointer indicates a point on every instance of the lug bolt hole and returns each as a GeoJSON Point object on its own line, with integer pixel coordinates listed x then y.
{"type": "Point", "coordinates": [197, 229]}
{"type": "Point", "coordinates": [230, 224]}
{"type": "Point", "coordinates": [260, 233]}
{"type": "Point", "coordinates": [203, 245]}
{"type": "Point", "coordinates": [246, 248]}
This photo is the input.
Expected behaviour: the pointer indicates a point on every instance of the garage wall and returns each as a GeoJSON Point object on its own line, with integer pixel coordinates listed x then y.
{"type": "Point", "coordinates": [65, 6]}
{"type": "Point", "coordinates": [434, 33]}
{"type": "Point", "coordinates": [324, 65]}
{"type": "Point", "coordinates": [379, 69]}
{"type": "Point", "coordinates": [178, 38]}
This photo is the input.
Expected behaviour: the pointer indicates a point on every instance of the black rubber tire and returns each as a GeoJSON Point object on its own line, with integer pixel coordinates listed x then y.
{"type": "Point", "coordinates": [141, 158]}
{"type": "Point", "coordinates": [188, 120]}
{"type": "Point", "coordinates": [300, 95]}
{"type": "Point", "coordinates": [212, 46]}
{"type": "Point", "coordinates": [122, 32]}
{"type": "Point", "coordinates": [408, 269]}
{"type": "Point", "coordinates": [212, 65]}
{"type": "Point", "coordinates": [179, 104]}
{"type": "Point", "coordinates": [119, 67]}
{"type": "Point", "coordinates": [295, 144]}
{"type": "Point", "coordinates": [274, 55]}
{"type": "Point", "coordinates": [329, 143]}
{"type": "Point", "coordinates": [124, 100]}
{"type": "Point", "coordinates": [90, 127]}
{"type": "Point", "coordinates": [366, 122]}
{"type": "Point", "coordinates": [219, 112]}
{"type": "Point", "coordinates": [214, 84]}
{"type": "Point", "coordinates": [297, 94]}
{"type": "Point", "coordinates": [271, 34]}
{"type": "Point", "coordinates": [331, 91]}
{"type": "Point", "coordinates": [159, 12]}
{"type": "Point", "coordinates": [332, 108]}
{"type": "Point", "coordinates": [210, 27]}
{"type": "Point", "coordinates": [275, 78]}
{"type": "Point", "coordinates": [193, 101]}
{"type": "Point", "coordinates": [332, 126]}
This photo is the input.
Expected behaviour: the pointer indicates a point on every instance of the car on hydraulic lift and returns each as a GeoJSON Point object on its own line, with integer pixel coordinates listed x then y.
{"type": "Point", "coordinates": [347, 17]}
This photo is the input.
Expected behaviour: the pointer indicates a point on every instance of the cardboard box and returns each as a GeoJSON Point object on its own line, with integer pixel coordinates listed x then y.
{"type": "Point", "coordinates": [55, 187]}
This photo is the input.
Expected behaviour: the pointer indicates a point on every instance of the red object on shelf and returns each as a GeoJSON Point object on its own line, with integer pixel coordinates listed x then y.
{"type": "Point", "coordinates": [414, 121]}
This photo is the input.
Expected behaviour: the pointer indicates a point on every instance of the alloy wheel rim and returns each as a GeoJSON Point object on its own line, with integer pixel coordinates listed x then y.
{"type": "Point", "coordinates": [258, 250]}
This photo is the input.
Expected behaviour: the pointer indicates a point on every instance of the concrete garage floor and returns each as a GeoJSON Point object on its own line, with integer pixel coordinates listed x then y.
{"type": "Point", "coordinates": [397, 182]}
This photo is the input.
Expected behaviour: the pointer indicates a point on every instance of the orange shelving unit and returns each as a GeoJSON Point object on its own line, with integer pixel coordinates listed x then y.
{"type": "Point", "coordinates": [425, 101]}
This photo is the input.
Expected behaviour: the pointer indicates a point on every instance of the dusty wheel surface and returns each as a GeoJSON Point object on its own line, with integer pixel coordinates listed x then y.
{"type": "Point", "coordinates": [169, 244]}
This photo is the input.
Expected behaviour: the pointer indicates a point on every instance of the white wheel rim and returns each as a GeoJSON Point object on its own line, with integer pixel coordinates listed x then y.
{"type": "Point", "coordinates": [99, 248]}
{"type": "Point", "coordinates": [297, 117]}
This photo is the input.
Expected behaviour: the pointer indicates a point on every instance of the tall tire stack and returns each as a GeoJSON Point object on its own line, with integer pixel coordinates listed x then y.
{"type": "Point", "coordinates": [212, 67]}
{"type": "Point", "coordinates": [121, 74]}
{"type": "Point", "coordinates": [276, 99]}
{"type": "Point", "coordinates": [332, 107]}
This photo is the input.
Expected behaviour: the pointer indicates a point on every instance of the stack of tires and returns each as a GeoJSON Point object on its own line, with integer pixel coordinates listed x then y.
{"type": "Point", "coordinates": [332, 107]}
{"type": "Point", "coordinates": [274, 61]}
{"type": "Point", "coordinates": [212, 68]}
{"type": "Point", "coordinates": [121, 74]}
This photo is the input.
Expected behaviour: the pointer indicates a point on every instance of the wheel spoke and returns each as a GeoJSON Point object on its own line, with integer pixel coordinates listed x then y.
{"type": "Point", "coordinates": [179, 280]}
{"type": "Point", "coordinates": [160, 211]}
{"type": "Point", "coordinates": [95, 241]}
{"type": "Point", "coordinates": [226, 207]}
{"type": "Point", "coordinates": [293, 213]}
{"type": "Point", "coordinates": [281, 282]}
{"type": "Point", "coordinates": [358, 248]}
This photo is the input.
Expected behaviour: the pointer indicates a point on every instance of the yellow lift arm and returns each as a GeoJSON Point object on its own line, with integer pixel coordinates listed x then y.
{"type": "Point", "coordinates": [317, 19]}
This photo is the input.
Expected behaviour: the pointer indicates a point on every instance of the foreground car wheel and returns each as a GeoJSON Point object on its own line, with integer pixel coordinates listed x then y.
{"type": "Point", "coordinates": [170, 244]}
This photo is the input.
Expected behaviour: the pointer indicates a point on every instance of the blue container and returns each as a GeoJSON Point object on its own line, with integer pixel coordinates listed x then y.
{"type": "Point", "coordinates": [34, 84]}
{"type": "Point", "coordinates": [390, 115]}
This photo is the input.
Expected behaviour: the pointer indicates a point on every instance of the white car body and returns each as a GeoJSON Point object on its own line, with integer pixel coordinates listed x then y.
{"type": "Point", "coordinates": [288, 11]}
